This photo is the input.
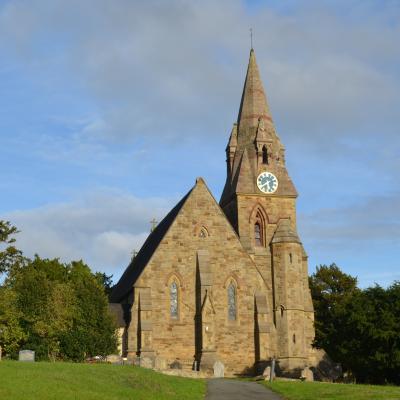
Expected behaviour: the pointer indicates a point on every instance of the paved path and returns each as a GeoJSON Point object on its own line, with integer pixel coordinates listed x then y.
{"type": "Point", "coordinates": [229, 389]}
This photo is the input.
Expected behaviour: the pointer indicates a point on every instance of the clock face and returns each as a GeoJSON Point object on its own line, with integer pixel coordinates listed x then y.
{"type": "Point", "coordinates": [267, 182]}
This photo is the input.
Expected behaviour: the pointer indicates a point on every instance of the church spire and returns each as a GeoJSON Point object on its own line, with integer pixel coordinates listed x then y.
{"type": "Point", "coordinates": [254, 146]}
{"type": "Point", "coordinates": [253, 105]}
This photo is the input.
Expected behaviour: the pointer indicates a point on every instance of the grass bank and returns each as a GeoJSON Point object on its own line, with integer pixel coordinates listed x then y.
{"type": "Point", "coordinates": [332, 391]}
{"type": "Point", "coordinates": [45, 381]}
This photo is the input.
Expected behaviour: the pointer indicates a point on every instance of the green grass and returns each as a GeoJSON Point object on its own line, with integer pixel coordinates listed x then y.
{"type": "Point", "coordinates": [44, 381]}
{"type": "Point", "coordinates": [332, 391]}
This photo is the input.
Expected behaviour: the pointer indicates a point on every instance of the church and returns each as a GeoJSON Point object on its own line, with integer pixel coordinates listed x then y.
{"type": "Point", "coordinates": [225, 281]}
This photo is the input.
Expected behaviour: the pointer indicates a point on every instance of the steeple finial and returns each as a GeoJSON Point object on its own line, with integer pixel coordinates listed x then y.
{"type": "Point", "coordinates": [251, 38]}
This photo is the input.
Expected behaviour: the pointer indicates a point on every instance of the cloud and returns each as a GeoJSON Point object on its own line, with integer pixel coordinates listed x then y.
{"type": "Point", "coordinates": [102, 228]}
{"type": "Point", "coordinates": [156, 69]}
{"type": "Point", "coordinates": [375, 220]}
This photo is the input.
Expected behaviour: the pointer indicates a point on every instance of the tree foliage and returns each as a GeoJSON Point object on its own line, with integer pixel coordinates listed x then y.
{"type": "Point", "coordinates": [64, 310]}
{"type": "Point", "coordinates": [60, 310]}
{"type": "Point", "coordinates": [11, 332]}
{"type": "Point", "coordinates": [358, 328]}
{"type": "Point", "coordinates": [10, 256]}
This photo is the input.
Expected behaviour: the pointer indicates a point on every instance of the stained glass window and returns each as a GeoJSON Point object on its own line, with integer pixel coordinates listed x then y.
{"type": "Point", "coordinates": [232, 302]}
{"type": "Point", "coordinates": [173, 291]}
{"type": "Point", "coordinates": [257, 234]}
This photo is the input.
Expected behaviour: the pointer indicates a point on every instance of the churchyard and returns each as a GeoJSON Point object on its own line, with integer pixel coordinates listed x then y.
{"type": "Point", "coordinates": [332, 391]}
{"type": "Point", "coordinates": [45, 381]}
{"type": "Point", "coordinates": [71, 381]}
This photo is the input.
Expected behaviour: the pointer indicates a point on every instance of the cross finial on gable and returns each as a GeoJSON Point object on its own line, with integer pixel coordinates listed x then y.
{"type": "Point", "coordinates": [153, 224]}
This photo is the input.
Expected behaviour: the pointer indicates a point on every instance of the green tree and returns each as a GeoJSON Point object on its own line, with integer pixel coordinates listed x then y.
{"type": "Point", "coordinates": [372, 324]}
{"type": "Point", "coordinates": [11, 332]}
{"type": "Point", "coordinates": [94, 329]}
{"type": "Point", "coordinates": [64, 310]}
{"type": "Point", "coordinates": [106, 281]}
{"type": "Point", "coordinates": [9, 254]}
{"type": "Point", "coordinates": [331, 291]}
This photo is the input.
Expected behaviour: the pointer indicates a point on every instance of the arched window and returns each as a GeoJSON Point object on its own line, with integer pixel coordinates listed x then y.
{"type": "Point", "coordinates": [265, 155]}
{"type": "Point", "coordinates": [203, 232]}
{"type": "Point", "coordinates": [232, 302]}
{"type": "Point", "coordinates": [174, 293]}
{"type": "Point", "coordinates": [257, 234]}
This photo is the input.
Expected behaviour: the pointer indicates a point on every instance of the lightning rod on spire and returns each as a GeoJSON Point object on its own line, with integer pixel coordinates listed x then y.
{"type": "Point", "coordinates": [251, 38]}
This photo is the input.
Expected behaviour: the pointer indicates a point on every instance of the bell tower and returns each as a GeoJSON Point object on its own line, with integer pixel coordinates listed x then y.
{"type": "Point", "coordinates": [259, 199]}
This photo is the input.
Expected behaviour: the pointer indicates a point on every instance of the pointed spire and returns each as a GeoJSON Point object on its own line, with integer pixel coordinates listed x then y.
{"type": "Point", "coordinates": [233, 138]}
{"type": "Point", "coordinates": [285, 233]}
{"type": "Point", "coordinates": [253, 105]}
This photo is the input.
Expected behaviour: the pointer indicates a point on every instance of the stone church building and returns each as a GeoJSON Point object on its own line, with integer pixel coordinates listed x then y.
{"type": "Point", "coordinates": [226, 281]}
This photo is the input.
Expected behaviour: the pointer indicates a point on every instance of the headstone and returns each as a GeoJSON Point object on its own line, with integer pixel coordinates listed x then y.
{"type": "Point", "coordinates": [219, 369]}
{"type": "Point", "coordinates": [307, 374]}
{"type": "Point", "coordinates": [146, 362]}
{"type": "Point", "coordinates": [114, 359]}
{"type": "Point", "coordinates": [176, 365]}
{"type": "Point", "coordinates": [267, 373]}
{"type": "Point", "coordinates": [26, 355]}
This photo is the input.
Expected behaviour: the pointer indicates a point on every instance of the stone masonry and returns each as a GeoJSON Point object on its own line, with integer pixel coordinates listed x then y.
{"type": "Point", "coordinates": [225, 282]}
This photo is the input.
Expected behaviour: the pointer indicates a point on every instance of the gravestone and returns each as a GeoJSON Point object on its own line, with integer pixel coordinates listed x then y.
{"type": "Point", "coordinates": [267, 373]}
{"type": "Point", "coordinates": [219, 369]}
{"type": "Point", "coordinates": [307, 374]}
{"type": "Point", "coordinates": [114, 359]}
{"type": "Point", "coordinates": [146, 362]}
{"type": "Point", "coordinates": [176, 365]}
{"type": "Point", "coordinates": [26, 355]}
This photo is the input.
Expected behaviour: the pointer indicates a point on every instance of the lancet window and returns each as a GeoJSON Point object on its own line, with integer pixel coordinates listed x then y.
{"type": "Point", "coordinates": [174, 300]}
{"type": "Point", "coordinates": [265, 155]}
{"type": "Point", "coordinates": [232, 302]}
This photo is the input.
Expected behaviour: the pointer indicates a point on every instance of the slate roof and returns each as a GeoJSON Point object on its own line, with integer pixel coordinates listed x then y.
{"type": "Point", "coordinates": [137, 265]}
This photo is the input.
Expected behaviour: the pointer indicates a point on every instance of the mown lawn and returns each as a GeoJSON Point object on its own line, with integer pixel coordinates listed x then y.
{"type": "Point", "coordinates": [332, 391]}
{"type": "Point", "coordinates": [44, 381]}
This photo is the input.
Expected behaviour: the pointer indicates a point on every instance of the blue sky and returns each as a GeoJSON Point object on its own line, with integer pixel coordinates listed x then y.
{"type": "Point", "coordinates": [109, 110]}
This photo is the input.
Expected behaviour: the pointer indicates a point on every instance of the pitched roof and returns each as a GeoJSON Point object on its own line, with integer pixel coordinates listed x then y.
{"type": "Point", "coordinates": [137, 265]}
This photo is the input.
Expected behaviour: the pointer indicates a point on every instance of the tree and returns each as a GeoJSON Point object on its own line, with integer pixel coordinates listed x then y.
{"type": "Point", "coordinates": [11, 332]}
{"type": "Point", "coordinates": [94, 328]}
{"type": "Point", "coordinates": [331, 290]}
{"type": "Point", "coordinates": [64, 310]}
{"type": "Point", "coordinates": [358, 328]}
{"type": "Point", "coordinates": [106, 281]}
{"type": "Point", "coordinates": [10, 255]}
{"type": "Point", "coordinates": [372, 325]}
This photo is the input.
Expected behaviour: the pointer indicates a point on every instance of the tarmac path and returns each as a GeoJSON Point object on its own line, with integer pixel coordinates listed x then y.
{"type": "Point", "coordinates": [229, 389]}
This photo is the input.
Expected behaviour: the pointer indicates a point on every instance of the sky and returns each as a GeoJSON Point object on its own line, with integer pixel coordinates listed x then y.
{"type": "Point", "coordinates": [109, 110]}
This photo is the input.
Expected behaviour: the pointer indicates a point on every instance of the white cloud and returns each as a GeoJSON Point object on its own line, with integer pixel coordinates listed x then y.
{"type": "Point", "coordinates": [154, 68]}
{"type": "Point", "coordinates": [103, 229]}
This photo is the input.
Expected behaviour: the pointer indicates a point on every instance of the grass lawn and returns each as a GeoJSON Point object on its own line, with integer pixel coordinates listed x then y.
{"type": "Point", "coordinates": [332, 391]}
{"type": "Point", "coordinates": [43, 381]}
